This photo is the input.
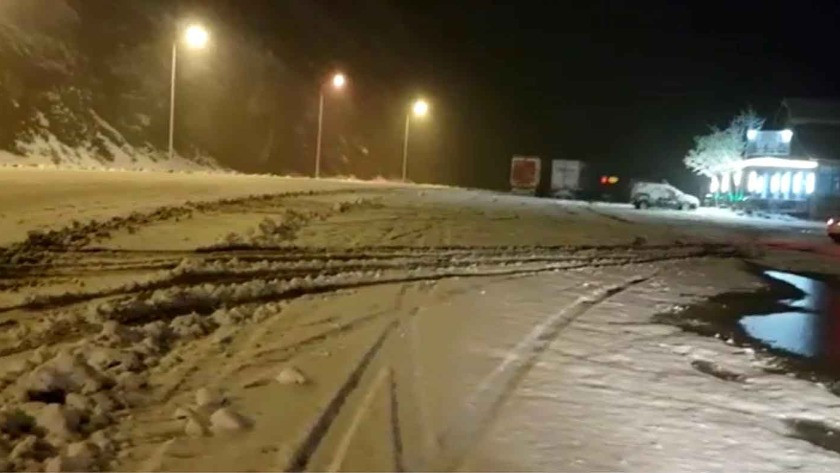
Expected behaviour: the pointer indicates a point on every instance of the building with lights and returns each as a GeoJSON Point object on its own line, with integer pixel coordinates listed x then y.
{"type": "Point", "coordinates": [793, 169]}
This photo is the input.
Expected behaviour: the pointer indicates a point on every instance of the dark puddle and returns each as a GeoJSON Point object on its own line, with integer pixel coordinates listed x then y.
{"type": "Point", "coordinates": [796, 317]}
{"type": "Point", "coordinates": [795, 320]}
{"type": "Point", "coordinates": [816, 432]}
{"type": "Point", "coordinates": [810, 329]}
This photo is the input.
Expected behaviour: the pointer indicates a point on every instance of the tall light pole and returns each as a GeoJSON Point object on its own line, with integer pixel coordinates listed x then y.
{"type": "Point", "coordinates": [337, 83]}
{"type": "Point", "coordinates": [419, 109]}
{"type": "Point", "coordinates": [196, 37]}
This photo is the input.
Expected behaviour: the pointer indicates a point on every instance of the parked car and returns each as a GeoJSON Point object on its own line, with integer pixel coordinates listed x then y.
{"type": "Point", "coordinates": [833, 229]}
{"type": "Point", "coordinates": [660, 194]}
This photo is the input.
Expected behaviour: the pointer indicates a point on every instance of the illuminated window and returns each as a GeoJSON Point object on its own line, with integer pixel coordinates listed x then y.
{"type": "Point", "coordinates": [796, 185]}
{"type": "Point", "coordinates": [752, 182]}
{"type": "Point", "coordinates": [775, 183]}
{"type": "Point", "coordinates": [810, 183]}
{"type": "Point", "coordinates": [786, 183]}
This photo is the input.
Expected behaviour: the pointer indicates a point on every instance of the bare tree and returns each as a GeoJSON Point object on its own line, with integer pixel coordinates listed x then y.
{"type": "Point", "coordinates": [722, 146]}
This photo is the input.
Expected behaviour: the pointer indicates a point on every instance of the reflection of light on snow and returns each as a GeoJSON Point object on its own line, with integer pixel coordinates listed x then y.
{"type": "Point", "coordinates": [724, 182]}
{"type": "Point", "coordinates": [810, 183]}
{"type": "Point", "coordinates": [775, 183]}
{"type": "Point", "coordinates": [714, 185]}
{"type": "Point", "coordinates": [797, 183]}
{"type": "Point", "coordinates": [786, 183]}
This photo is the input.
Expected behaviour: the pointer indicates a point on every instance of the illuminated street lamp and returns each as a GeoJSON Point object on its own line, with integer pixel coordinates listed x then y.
{"type": "Point", "coordinates": [195, 37]}
{"type": "Point", "coordinates": [338, 81]}
{"type": "Point", "coordinates": [419, 109]}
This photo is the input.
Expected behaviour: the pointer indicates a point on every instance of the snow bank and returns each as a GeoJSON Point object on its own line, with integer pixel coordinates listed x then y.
{"type": "Point", "coordinates": [103, 147]}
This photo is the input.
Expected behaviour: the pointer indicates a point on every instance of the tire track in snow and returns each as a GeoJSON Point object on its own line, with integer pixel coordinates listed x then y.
{"type": "Point", "coordinates": [39, 244]}
{"type": "Point", "coordinates": [615, 218]}
{"type": "Point", "coordinates": [303, 453]}
{"type": "Point", "coordinates": [470, 268]}
{"type": "Point", "coordinates": [494, 390]}
{"type": "Point", "coordinates": [344, 443]}
{"type": "Point", "coordinates": [300, 267]}
{"type": "Point", "coordinates": [396, 432]}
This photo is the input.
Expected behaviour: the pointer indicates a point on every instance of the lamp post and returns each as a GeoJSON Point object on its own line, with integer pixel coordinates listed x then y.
{"type": "Point", "coordinates": [419, 109]}
{"type": "Point", "coordinates": [196, 37]}
{"type": "Point", "coordinates": [338, 81]}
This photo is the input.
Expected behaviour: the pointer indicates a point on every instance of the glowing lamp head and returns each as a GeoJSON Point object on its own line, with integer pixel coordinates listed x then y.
{"type": "Point", "coordinates": [420, 108]}
{"type": "Point", "coordinates": [787, 135]}
{"type": "Point", "coordinates": [338, 81]}
{"type": "Point", "coordinates": [196, 36]}
{"type": "Point", "coordinates": [752, 134]}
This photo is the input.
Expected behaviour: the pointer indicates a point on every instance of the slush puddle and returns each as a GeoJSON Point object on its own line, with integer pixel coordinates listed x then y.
{"type": "Point", "coordinates": [811, 328]}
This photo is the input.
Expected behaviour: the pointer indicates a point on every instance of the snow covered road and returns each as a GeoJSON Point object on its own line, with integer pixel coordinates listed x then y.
{"type": "Point", "coordinates": [211, 322]}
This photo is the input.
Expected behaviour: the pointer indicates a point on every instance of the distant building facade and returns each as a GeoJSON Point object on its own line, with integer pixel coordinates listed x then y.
{"type": "Point", "coordinates": [816, 136]}
{"type": "Point", "coordinates": [793, 168]}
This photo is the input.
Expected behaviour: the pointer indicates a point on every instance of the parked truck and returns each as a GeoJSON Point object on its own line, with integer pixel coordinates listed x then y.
{"type": "Point", "coordinates": [525, 174]}
{"type": "Point", "coordinates": [565, 178]}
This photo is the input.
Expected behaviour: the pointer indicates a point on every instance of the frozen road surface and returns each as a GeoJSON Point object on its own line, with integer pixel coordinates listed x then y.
{"type": "Point", "coordinates": [236, 323]}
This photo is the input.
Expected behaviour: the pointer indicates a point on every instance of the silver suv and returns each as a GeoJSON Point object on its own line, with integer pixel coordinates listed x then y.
{"type": "Point", "coordinates": [656, 194]}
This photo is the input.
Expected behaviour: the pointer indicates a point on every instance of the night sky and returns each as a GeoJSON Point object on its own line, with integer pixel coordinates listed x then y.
{"type": "Point", "coordinates": [622, 85]}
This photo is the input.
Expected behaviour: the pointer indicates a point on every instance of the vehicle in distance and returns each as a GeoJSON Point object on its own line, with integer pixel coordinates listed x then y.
{"type": "Point", "coordinates": [566, 178]}
{"type": "Point", "coordinates": [525, 174]}
{"type": "Point", "coordinates": [659, 194]}
{"type": "Point", "coordinates": [833, 229]}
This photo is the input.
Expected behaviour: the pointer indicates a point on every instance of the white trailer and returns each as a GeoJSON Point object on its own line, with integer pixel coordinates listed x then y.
{"type": "Point", "coordinates": [565, 177]}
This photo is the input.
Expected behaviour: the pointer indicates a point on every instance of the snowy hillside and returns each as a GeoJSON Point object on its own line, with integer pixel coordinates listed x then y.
{"type": "Point", "coordinates": [87, 83]}
{"type": "Point", "coordinates": [101, 147]}
{"type": "Point", "coordinates": [51, 93]}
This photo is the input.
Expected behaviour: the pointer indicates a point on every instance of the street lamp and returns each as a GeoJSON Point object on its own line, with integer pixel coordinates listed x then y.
{"type": "Point", "coordinates": [195, 37]}
{"type": "Point", "coordinates": [419, 109]}
{"type": "Point", "coordinates": [338, 81]}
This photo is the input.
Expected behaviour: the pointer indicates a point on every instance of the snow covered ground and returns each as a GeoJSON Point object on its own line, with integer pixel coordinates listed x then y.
{"type": "Point", "coordinates": [220, 322]}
